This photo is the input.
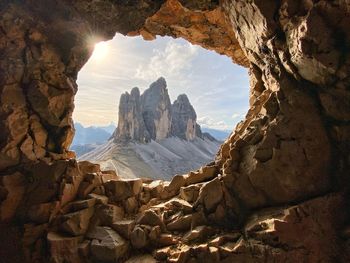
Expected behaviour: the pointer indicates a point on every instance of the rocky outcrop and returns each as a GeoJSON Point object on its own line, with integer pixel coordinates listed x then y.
{"type": "Point", "coordinates": [184, 119]}
{"type": "Point", "coordinates": [151, 116]}
{"type": "Point", "coordinates": [156, 110]}
{"type": "Point", "coordinates": [131, 125]}
{"type": "Point", "coordinates": [281, 177]}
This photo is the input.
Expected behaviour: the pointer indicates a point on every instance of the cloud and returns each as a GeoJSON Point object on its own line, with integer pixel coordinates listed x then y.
{"type": "Point", "coordinates": [172, 61]}
{"type": "Point", "coordinates": [238, 115]}
{"type": "Point", "coordinates": [208, 122]}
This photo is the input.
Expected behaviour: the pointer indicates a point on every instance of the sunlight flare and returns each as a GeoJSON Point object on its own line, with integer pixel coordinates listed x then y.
{"type": "Point", "coordinates": [100, 51]}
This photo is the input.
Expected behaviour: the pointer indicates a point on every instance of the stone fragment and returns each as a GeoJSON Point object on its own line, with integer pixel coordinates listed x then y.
{"type": "Point", "coordinates": [63, 248]}
{"type": "Point", "coordinates": [109, 213]}
{"type": "Point", "coordinates": [142, 259]}
{"type": "Point", "coordinates": [166, 240]}
{"type": "Point", "coordinates": [107, 245]}
{"type": "Point", "coordinates": [131, 205]}
{"type": "Point", "coordinates": [124, 227]}
{"type": "Point", "coordinates": [180, 223]}
{"type": "Point", "coordinates": [100, 199]}
{"type": "Point", "coordinates": [199, 233]}
{"type": "Point", "coordinates": [176, 183]}
{"type": "Point", "coordinates": [190, 193]}
{"type": "Point", "coordinates": [41, 213]}
{"type": "Point", "coordinates": [210, 194]}
{"type": "Point", "coordinates": [80, 205]}
{"type": "Point", "coordinates": [204, 174]}
{"type": "Point", "coordinates": [76, 223]}
{"type": "Point", "coordinates": [162, 254]}
{"type": "Point", "coordinates": [87, 167]}
{"type": "Point", "coordinates": [15, 189]}
{"type": "Point", "coordinates": [150, 217]}
{"type": "Point", "coordinates": [122, 189]}
{"type": "Point", "coordinates": [138, 237]}
{"type": "Point", "coordinates": [155, 188]}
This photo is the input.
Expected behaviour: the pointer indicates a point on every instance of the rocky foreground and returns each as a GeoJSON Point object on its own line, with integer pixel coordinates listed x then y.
{"type": "Point", "coordinates": [292, 149]}
{"type": "Point", "coordinates": [100, 217]}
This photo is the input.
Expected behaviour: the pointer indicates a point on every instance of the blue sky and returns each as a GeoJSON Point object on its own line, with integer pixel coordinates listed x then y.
{"type": "Point", "coordinates": [217, 88]}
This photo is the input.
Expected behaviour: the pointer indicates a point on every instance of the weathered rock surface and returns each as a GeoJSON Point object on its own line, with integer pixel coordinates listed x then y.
{"type": "Point", "coordinates": [184, 118]}
{"type": "Point", "coordinates": [290, 154]}
{"type": "Point", "coordinates": [151, 116]}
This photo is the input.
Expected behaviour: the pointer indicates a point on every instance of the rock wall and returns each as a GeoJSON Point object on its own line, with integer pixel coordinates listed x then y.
{"type": "Point", "coordinates": [184, 121]}
{"type": "Point", "coordinates": [151, 116]}
{"type": "Point", "coordinates": [156, 110]}
{"type": "Point", "coordinates": [277, 191]}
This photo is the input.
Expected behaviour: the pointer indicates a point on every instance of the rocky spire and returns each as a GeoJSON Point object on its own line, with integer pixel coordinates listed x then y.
{"type": "Point", "coordinates": [184, 118]}
{"type": "Point", "coordinates": [152, 116]}
{"type": "Point", "coordinates": [130, 122]}
{"type": "Point", "coordinates": [156, 110]}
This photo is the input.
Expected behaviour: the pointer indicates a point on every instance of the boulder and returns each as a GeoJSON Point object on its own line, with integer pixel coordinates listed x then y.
{"type": "Point", "coordinates": [76, 223]}
{"type": "Point", "coordinates": [109, 213]}
{"type": "Point", "coordinates": [87, 167]}
{"type": "Point", "coordinates": [131, 205]}
{"type": "Point", "coordinates": [204, 174]}
{"type": "Point", "coordinates": [118, 190]}
{"type": "Point", "coordinates": [210, 195]}
{"type": "Point", "coordinates": [100, 199]}
{"type": "Point", "coordinates": [190, 193]}
{"type": "Point", "coordinates": [139, 237]}
{"type": "Point", "coordinates": [124, 227]}
{"type": "Point", "coordinates": [141, 259]}
{"type": "Point", "coordinates": [63, 248]}
{"type": "Point", "coordinates": [180, 223]}
{"type": "Point", "coordinates": [151, 218]}
{"type": "Point", "coordinates": [107, 245]}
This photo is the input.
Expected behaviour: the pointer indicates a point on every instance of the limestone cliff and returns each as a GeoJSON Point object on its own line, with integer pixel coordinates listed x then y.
{"type": "Point", "coordinates": [151, 116]}
{"type": "Point", "coordinates": [156, 110]}
{"type": "Point", "coordinates": [131, 125]}
{"type": "Point", "coordinates": [184, 119]}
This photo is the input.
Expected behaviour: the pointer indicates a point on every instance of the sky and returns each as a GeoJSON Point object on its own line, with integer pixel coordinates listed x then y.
{"type": "Point", "coordinates": [217, 88]}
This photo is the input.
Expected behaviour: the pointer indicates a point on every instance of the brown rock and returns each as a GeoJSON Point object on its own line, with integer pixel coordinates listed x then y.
{"type": "Point", "coordinates": [107, 245]}
{"type": "Point", "coordinates": [150, 217]}
{"type": "Point", "coordinates": [141, 259]}
{"type": "Point", "coordinates": [180, 223]}
{"type": "Point", "coordinates": [87, 167]}
{"type": "Point", "coordinates": [124, 227]}
{"type": "Point", "coordinates": [122, 189]}
{"type": "Point", "coordinates": [199, 233]}
{"type": "Point", "coordinates": [100, 199]}
{"type": "Point", "coordinates": [76, 223]}
{"type": "Point", "coordinates": [64, 248]}
{"type": "Point", "coordinates": [84, 249]}
{"type": "Point", "coordinates": [210, 195]}
{"type": "Point", "coordinates": [176, 183]}
{"type": "Point", "coordinates": [108, 214]}
{"type": "Point", "coordinates": [138, 237]}
{"type": "Point", "coordinates": [190, 193]}
{"type": "Point", "coordinates": [131, 205]}
{"type": "Point", "coordinates": [204, 174]}
{"type": "Point", "coordinates": [15, 187]}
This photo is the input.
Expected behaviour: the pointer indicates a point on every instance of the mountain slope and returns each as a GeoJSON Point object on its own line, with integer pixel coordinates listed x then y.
{"type": "Point", "coordinates": [156, 159]}
{"type": "Point", "coordinates": [220, 135]}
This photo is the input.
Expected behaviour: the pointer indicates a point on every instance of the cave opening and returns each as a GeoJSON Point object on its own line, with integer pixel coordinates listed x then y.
{"type": "Point", "coordinates": [206, 95]}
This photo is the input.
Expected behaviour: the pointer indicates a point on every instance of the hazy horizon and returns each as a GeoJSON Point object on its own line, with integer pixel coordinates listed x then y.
{"type": "Point", "coordinates": [217, 88]}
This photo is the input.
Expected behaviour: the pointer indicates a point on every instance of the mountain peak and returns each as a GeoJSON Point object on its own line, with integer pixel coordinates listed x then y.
{"type": "Point", "coordinates": [151, 116]}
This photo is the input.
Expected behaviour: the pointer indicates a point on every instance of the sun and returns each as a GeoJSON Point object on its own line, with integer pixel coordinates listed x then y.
{"type": "Point", "coordinates": [100, 50]}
